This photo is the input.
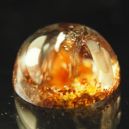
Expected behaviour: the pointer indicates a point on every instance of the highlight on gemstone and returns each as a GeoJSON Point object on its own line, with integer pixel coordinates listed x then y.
{"type": "Point", "coordinates": [65, 65]}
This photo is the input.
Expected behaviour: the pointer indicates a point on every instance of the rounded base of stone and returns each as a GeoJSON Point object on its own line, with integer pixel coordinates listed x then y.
{"type": "Point", "coordinates": [101, 115]}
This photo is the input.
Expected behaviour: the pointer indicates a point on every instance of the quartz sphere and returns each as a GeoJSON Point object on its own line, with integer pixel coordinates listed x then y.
{"type": "Point", "coordinates": [65, 65]}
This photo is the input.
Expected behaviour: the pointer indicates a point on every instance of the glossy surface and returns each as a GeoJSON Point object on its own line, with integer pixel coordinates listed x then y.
{"type": "Point", "coordinates": [65, 65]}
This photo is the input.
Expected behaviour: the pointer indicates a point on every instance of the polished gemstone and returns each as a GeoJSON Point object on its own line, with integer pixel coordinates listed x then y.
{"type": "Point", "coordinates": [65, 65]}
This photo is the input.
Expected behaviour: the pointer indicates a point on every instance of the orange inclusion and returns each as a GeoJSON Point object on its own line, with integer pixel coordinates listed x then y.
{"type": "Point", "coordinates": [84, 73]}
{"type": "Point", "coordinates": [61, 77]}
{"type": "Point", "coordinates": [84, 69]}
{"type": "Point", "coordinates": [60, 71]}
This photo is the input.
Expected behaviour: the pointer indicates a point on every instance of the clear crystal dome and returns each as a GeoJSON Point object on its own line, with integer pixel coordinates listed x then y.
{"type": "Point", "coordinates": [65, 65]}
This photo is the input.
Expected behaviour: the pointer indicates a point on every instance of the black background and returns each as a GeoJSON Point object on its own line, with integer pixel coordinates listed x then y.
{"type": "Point", "coordinates": [19, 19]}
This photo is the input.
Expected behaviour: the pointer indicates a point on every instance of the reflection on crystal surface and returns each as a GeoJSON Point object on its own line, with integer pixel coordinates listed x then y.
{"type": "Point", "coordinates": [65, 65]}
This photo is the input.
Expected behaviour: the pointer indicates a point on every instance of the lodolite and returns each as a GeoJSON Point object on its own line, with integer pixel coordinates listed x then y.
{"type": "Point", "coordinates": [65, 66]}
